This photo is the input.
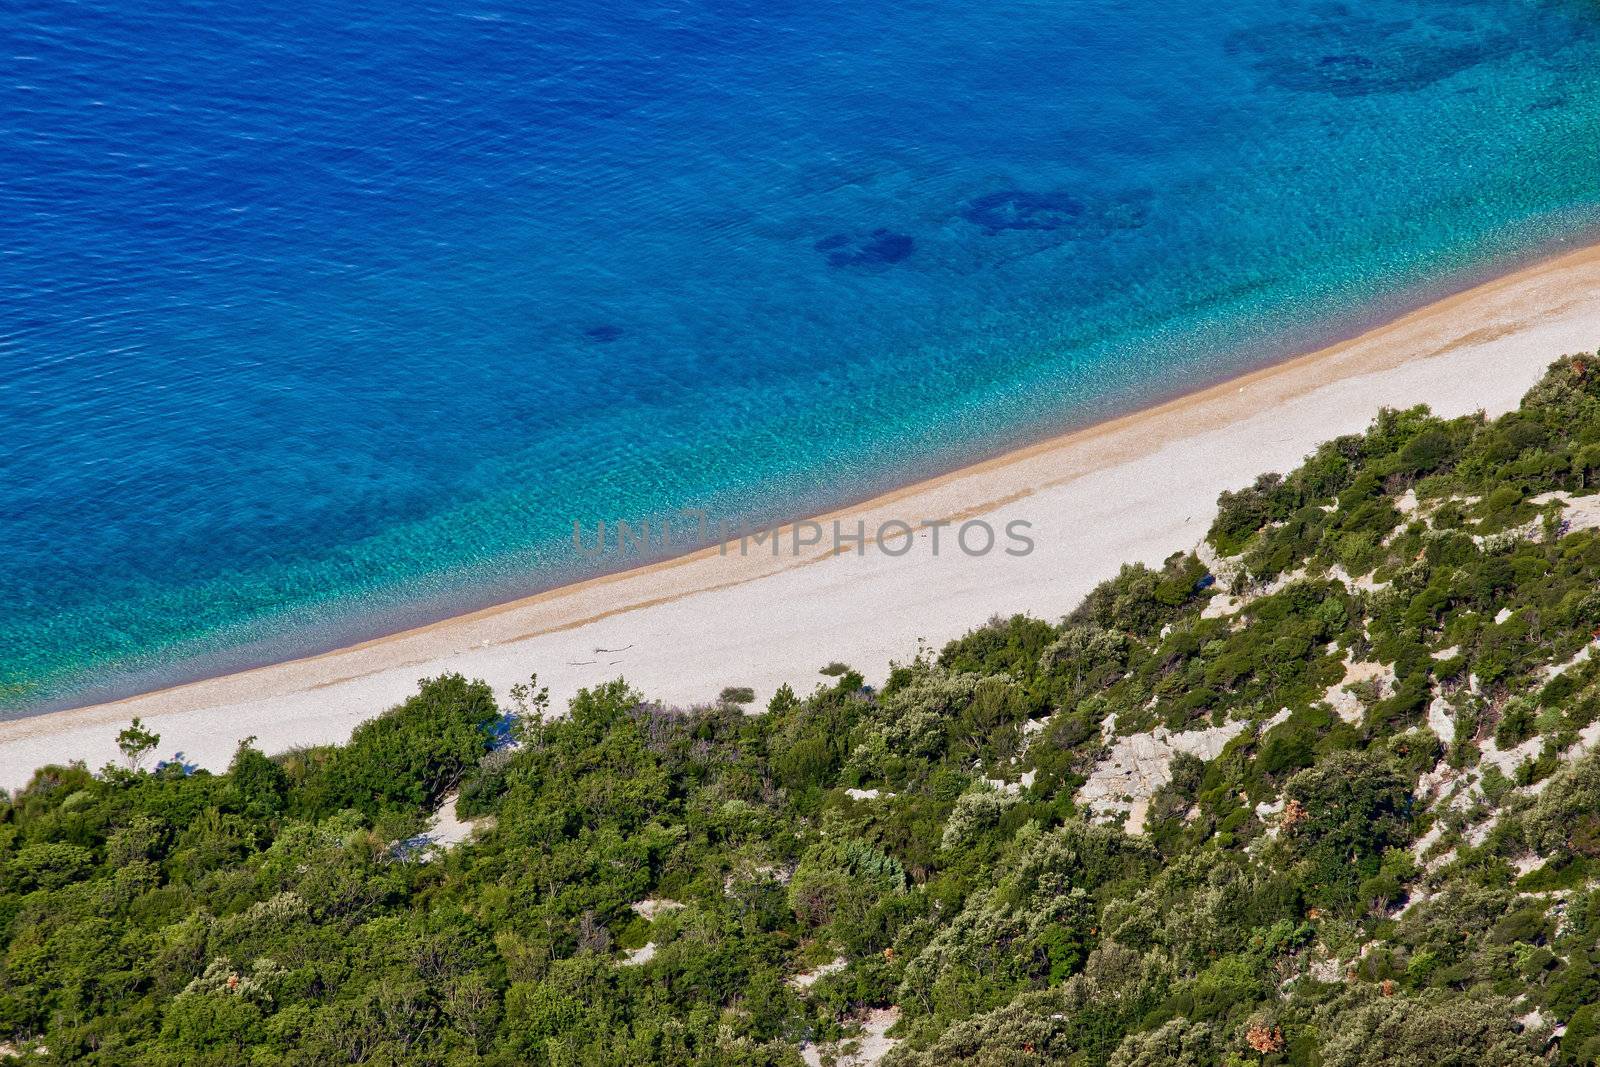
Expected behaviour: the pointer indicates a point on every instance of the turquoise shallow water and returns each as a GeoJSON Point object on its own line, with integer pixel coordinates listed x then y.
{"type": "Point", "coordinates": [321, 323]}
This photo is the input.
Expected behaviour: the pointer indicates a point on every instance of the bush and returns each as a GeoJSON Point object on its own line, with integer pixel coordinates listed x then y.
{"type": "Point", "coordinates": [1427, 452]}
{"type": "Point", "coordinates": [1356, 806]}
{"type": "Point", "coordinates": [1240, 514]}
{"type": "Point", "coordinates": [1566, 817]}
{"type": "Point", "coordinates": [1434, 1027]}
{"type": "Point", "coordinates": [409, 757]}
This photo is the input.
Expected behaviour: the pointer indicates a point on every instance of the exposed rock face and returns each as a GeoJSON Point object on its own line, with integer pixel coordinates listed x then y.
{"type": "Point", "coordinates": [650, 907]}
{"type": "Point", "coordinates": [1139, 765]}
{"type": "Point", "coordinates": [638, 957]}
{"type": "Point", "coordinates": [1345, 702]}
{"type": "Point", "coordinates": [865, 1049]}
{"type": "Point", "coordinates": [1224, 604]}
{"type": "Point", "coordinates": [1441, 720]}
{"type": "Point", "coordinates": [806, 979]}
{"type": "Point", "coordinates": [1577, 513]}
{"type": "Point", "coordinates": [445, 830]}
{"type": "Point", "coordinates": [1557, 669]}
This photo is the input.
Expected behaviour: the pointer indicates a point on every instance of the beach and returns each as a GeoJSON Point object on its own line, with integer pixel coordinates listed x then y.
{"type": "Point", "coordinates": [1136, 488]}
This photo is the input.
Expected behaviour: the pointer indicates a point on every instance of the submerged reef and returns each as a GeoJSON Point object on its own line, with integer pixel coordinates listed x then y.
{"type": "Point", "coordinates": [1072, 216]}
{"type": "Point", "coordinates": [879, 248]}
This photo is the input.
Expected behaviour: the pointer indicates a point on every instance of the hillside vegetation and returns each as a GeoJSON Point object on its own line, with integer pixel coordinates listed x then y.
{"type": "Point", "coordinates": [1321, 792]}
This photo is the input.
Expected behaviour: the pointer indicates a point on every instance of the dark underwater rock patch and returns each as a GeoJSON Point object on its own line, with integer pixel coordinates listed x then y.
{"type": "Point", "coordinates": [879, 248]}
{"type": "Point", "coordinates": [1017, 209]}
{"type": "Point", "coordinates": [1054, 212]}
{"type": "Point", "coordinates": [603, 333]}
{"type": "Point", "coordinates": [1345, 54]}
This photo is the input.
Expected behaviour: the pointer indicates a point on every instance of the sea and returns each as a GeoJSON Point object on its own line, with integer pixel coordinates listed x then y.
{"type": "Point", "coordinates": [321, 321]}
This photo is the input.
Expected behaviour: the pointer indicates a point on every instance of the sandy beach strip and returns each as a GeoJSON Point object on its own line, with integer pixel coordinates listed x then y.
{"type": "Point", "coordinates": [1136, 488]}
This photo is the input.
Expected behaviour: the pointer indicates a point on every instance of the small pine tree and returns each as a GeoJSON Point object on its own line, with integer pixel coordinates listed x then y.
{"type": "Point", "coordinates": [136, 744]}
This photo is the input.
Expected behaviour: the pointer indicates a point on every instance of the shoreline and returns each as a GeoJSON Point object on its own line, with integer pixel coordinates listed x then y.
{"type": "Point", "coordinates": [1135, 487]}
{"type": "Point", "coordinates": [416, 617]}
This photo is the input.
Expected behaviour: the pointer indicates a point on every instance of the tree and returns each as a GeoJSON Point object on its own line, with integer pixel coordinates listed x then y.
{"type": "Point", "coordinates": [136, 744]}
{"type": "Point", "coordinates": [1436, 1027]}
{"type": "Point", "coordinates": [1356, 806]}
{"type": "Point", "coordinates": [411, 755]}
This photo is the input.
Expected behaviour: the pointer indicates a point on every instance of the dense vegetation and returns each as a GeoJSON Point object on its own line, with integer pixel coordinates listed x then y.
{"type": "Point", "coordinates": [1391, 858]}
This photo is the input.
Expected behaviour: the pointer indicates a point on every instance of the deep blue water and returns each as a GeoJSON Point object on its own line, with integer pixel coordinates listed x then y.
{"type": "Point", "coordinates": [317, 320]}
